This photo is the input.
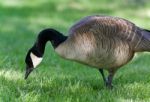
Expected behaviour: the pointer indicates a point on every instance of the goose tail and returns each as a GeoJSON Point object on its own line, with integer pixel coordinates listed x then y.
{"type": "Point", "coordinates": [146, 34]}
{"type": "Point", "coordinates": [144, 44]}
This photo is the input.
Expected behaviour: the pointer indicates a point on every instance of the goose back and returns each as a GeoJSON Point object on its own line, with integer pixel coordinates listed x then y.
{"type": "Point", "coordinates": [109, 27]}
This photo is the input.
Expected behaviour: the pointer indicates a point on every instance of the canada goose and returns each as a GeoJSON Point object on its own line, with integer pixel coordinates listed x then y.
{"type": "Point", "coordinates": [102, 42]}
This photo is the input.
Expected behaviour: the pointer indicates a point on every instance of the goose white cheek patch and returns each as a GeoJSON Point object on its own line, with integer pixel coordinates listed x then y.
{"type": "Point", "coordinates": [35, 60]}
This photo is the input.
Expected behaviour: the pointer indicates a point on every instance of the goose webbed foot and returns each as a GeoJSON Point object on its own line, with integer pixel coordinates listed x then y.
{"type": "Point", "coordinates": [109, 84]}
{"type": "Point", "coordinates": [110, 78]}
{"type": "Point", "coordinates": [108, 81]}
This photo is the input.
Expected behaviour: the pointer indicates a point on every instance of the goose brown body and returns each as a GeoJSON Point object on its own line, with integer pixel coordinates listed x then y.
{"type": "Point", "coordinates": [102, 42]}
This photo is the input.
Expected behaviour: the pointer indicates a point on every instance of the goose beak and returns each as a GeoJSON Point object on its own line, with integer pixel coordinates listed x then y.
{"type": "Point", "coordinates": [28, 71]}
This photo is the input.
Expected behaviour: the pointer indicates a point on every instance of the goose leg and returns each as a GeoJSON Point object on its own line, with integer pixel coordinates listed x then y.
{"type": "Point", "coordinates": [102, 73]}
{"type": "Point", "coordinates": [109, 79]}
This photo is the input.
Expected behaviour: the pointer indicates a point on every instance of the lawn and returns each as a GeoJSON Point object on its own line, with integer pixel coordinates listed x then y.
{"type": "Point", "coordinates": [56, 79]}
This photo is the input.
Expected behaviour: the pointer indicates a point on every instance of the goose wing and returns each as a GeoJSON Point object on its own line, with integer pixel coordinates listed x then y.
{"type": "Point", "coordinates": [109, 28]}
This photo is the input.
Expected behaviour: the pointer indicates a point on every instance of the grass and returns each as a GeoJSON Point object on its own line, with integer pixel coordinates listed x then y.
{"type": "Point", "coordinates": [58, 80]}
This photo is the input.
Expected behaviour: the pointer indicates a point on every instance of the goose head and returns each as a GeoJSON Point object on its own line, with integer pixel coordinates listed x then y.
{"type": "Point", "coordinates": [32, 60]}
{"type": "Point", "coordinates": [35, 54]}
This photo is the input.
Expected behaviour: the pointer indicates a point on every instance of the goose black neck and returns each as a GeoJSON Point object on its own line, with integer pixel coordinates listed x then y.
{"type": "Point", "coordinates": [46, 35]}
